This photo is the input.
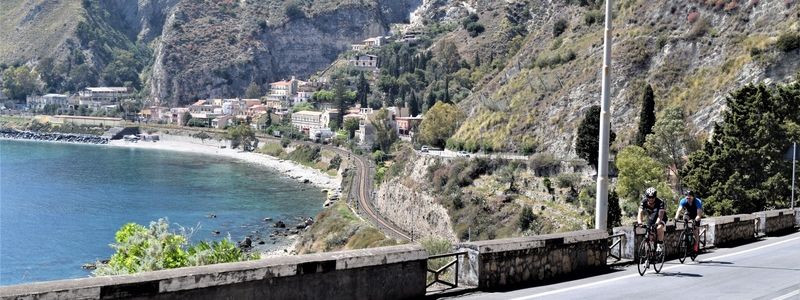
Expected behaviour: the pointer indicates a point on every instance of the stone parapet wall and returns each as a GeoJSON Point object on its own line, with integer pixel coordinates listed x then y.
{"type": "Point", "coordinates": [775, 220]}
{"type": "Point", "coordinates": [396, 272]}
{"type": "Point", "coordinates": [507, 262]}
{"type": "Point", "coordinates": [797, 216]}
{"type": "Point", "coordinates": [734, 228]}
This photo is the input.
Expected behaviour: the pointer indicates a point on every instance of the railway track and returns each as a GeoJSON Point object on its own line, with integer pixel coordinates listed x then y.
{"type": "Point", "coordinates": [361, 185]}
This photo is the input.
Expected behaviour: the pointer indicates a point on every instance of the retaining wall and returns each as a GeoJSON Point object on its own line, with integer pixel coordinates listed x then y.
{"type": "Point", "coordinates": [396, 272]}
{"type": "Point", "coordinates": [504, 262]}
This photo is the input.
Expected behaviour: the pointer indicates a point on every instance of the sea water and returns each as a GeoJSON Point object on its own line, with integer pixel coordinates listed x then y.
{"type": "Point", "coordinates": [61, 204]}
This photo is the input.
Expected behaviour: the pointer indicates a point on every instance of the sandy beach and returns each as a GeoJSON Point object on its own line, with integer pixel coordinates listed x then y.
{"type": "Point", "coordinates": [286, 167]}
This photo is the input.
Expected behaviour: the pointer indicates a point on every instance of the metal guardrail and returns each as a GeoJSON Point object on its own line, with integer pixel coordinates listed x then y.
{"type": "Point", "coordinates": [438, 272]}
{"type": "Point", "coordinates": [618, 243]}
{"type": "Point", "coordinates": [704, 233]}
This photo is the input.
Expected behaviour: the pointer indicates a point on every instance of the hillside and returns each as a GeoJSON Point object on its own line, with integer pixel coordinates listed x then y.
{"type": "Point", "coordinates": [692, 53]}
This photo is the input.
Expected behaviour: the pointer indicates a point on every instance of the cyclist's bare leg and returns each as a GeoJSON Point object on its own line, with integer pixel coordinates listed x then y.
{"type": "Point", "coordinates": [660, 231]}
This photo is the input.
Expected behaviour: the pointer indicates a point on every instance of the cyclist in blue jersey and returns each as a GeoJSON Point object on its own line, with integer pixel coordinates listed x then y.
{"type": "Point", "coordinates": [694, 211]}
{"type": "Point", "coordinates": [655, 214]}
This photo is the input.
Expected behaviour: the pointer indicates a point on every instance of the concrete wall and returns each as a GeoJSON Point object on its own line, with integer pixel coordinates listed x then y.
{"type": "Point", "coordinates": [497, 263]}
{"type": "Point", "coordinates": [733, 228]}
{"type": "Point", "coordinates": [775, 220]}
{"type": "Point", "coordinates": [396, 272]}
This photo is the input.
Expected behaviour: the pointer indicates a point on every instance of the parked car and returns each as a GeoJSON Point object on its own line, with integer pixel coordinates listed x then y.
{"type": "Point", "coordinates": [462, 154]}
{"type": "Point", "coordinates": [423, 149]}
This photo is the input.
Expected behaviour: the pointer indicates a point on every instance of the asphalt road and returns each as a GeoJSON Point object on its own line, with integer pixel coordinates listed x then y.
{"type": "Point", "coordinates": [766, 269]}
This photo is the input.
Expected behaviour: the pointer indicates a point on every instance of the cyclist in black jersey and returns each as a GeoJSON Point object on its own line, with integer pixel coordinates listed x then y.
{"type": "Point", "coordinates": [656, 214]}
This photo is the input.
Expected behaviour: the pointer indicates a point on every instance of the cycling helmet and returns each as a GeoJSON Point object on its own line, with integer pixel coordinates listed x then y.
{"type": "Point", "coordinates": [650, 192]}
{"type": "Point", "coordinates": [689, 193]}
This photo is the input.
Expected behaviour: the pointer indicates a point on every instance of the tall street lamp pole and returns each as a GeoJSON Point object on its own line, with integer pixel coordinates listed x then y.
{"type": "Point", "coordinates": [601, 207]}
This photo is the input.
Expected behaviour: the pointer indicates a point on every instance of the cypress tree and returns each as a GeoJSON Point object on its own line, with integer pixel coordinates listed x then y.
{"type": "Point", "coordinates": [647, 117]}
{"type": "Point", "coordinates": [587, 143]}
{"type": "Point", "coordinates": [413, 106]}
{"type": "Point", "coordinates": [446, 90]}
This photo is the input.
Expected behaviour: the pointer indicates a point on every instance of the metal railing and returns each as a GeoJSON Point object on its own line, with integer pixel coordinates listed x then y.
{"type": "Point", "coordinates": [618, 243]}
{"type": "Point", "coordinates": [704, 233]}
{"type": "Point", "coordinates": [437, 274]}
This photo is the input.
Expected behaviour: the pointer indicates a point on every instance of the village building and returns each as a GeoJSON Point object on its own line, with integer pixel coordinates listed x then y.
{"type": "Point", "coordinates": [365, 61]}
{"type": "Point", "coordinates": [306, 120]}
{"type": "Point", "coordinates": [96, 97]}
{"type": "Point", "coordinates": [39, 101]}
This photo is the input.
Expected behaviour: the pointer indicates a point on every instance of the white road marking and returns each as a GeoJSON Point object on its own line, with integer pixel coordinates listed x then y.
{"type": "Point", "coordinates": [637, 274]}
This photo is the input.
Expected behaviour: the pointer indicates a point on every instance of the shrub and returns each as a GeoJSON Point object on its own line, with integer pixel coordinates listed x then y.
{"type": "Point", "coordinates": [475, 29]}
{"type": "Point", "coordinates": [593, 16]}
{"type": "Point", "coordinates": [559, 27]}
{"type": "Point", "coordinates": [526, 218]}
{"type": "Point", "coordinates": [472, 18]}
{"type": "Point", "coordinates": [661, 42]}
{"type": "Point", "coordinates": [731, 6]}
{"type": "Point", "coordinates": [294, 10]}
{"type": "Point", "coordinates": [568, 180]}
{"type": "Point", "coordinates": [693, 17]}
{"type": "Point", "coordinates": [788, 42]}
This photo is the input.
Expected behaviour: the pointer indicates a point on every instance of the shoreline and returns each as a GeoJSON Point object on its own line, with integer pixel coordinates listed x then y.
{"type": "Point", "coordinates": [284, 167]}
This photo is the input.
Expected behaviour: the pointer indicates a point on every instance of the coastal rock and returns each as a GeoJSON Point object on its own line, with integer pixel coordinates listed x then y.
{"type": "Point", "coordinates": [89, 266]}
{"type": "Point", "coordinates": [267, 219]}
{"type": "Point", "coordinates": [246, 243]}
{"type": "Point", "coordinates": [9, 133]}
{"type": "Point", "coordinates": [215, 232]}
{"type": "Point", "coordinates": [279, 224]}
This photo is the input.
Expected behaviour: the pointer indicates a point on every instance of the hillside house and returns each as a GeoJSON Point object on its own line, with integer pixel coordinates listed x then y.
{"type": "Point", "coordinates": [365, 61]}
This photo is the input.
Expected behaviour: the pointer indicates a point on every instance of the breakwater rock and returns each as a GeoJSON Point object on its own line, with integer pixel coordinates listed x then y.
{"type": "Point", "coordinates": [53, 137]}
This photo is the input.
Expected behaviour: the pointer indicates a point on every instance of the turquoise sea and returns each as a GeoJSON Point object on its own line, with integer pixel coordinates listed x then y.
{"type": "Point", "coordinates": [61, 204]}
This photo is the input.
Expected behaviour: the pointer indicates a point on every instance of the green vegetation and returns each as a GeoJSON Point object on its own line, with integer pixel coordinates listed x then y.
{"type": "Point", "coordinates": [243, 135]}
{"type": "Point", "coordinates": [440, 123]}
{"type": "Point", "coordinates": [337, 228]}
{"type": "Point", "coordinates": [740, 169]}
{"type": "Point", "coordinates": [588, 140]}
{"type": "Point", "coordinates": [647, 116]}
{"type": "Point", "coordinates": [142, 249]}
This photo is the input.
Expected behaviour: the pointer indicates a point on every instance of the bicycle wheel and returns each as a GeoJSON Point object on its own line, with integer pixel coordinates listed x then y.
{"type": "Point", "coordinates": [644, 250]}
{"type": "Point", "coordinates": [660, 258]}
{"type": "Point", "coordinates": [683, 247]}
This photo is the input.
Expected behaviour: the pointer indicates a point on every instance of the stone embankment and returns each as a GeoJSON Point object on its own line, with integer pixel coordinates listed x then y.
{"type": "Point", "coordinates": [52, 137]}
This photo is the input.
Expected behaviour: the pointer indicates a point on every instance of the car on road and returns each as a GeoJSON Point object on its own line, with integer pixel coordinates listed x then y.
{"type": "Point", "coordinates": [462, 154]}
{"type": "Point", "coordinates": [423, 149]}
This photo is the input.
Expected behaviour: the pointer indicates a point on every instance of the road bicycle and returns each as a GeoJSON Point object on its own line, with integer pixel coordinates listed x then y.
{"type": "Point", "coordinates": [647, 251]}
{"type": "Point", "coordinates": [686, 241]}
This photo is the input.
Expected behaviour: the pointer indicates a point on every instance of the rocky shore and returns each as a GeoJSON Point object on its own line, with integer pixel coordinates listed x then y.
{"type": "Point", "coordinates": [7, 133]}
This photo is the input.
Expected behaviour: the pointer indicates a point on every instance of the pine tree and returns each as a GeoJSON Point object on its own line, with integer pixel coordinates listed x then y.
{"type": "Point", "coordinates": [477, 60]}
{"type": "Point", "coordinates": [647, 116]}
{"type": "Point", "coordinates": [740, 169]}
{"type": "Point", "coordinates": [588, 140]}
